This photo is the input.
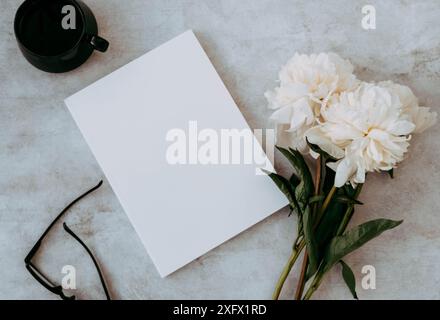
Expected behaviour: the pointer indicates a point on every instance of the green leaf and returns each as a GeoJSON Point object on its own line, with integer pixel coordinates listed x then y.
{"type": "Point", "coordinates": [348, 200]}
{"type": "Point", "coordinates": [283, 184]}
{"type": "Point", "coordinates": [391, 173]}
{"type": "Point", "coordinates": [290, 157]}
{"type": "Point", "coordinates": [305, 188]}
{"type": "Point", "coordinates": [330, 221]}
{"type": "Point", "coordinates": [350, 191]}
{"type": "Point", "coordinates": [319, 151]}
{"type": "Point", "coordinates": [312, 248]}
{"type": "Point", "coordinates": [309, 273]}
{"type": "Point", "coordinates": [315, 199]}
{"type": "Point", "coordinates": [323, 165]}
{"type": "Point", "coordinates": [285, 187]}
{"type": "Point", "coordinates": [326, 229]}
{"type": "Point", "coordinates": [328, 179]}
{"type": "Point", "coordinates": [353, 239]}
{"type": "Point", "coordinates": [349, 278]}
{"type": "Point", "coordinates": [294, 180]}
{"type": "Point", "coordinates": [300, 224]}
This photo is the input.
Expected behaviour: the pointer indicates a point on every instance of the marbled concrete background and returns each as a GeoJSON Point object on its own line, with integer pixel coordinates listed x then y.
{"type": "Point", "coordinates": [44, 161]}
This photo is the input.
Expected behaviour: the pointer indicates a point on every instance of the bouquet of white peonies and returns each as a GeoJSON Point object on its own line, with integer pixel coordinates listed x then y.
{"type": "Point", "coordinates": [350, 128]}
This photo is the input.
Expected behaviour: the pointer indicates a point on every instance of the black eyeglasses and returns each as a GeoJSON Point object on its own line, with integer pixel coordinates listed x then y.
{"type": "Point", "coordinates": [39, 276]}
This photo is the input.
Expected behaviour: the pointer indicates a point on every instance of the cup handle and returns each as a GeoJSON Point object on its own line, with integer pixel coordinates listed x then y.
{"type": "Point", "coordinates": [99, 43]}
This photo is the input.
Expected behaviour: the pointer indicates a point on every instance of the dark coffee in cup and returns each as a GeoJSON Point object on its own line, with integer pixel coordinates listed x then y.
{"type": "Point", "coordinates": [41, 27]}
{"type": "Point", "coordinates": [57, 35]}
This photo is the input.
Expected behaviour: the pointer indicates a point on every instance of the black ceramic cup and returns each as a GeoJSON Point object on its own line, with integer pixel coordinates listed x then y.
{"type": "Point", "coordinates": [57, 35]}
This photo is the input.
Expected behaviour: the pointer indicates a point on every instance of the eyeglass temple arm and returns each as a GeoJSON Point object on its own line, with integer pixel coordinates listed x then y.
{"type": "Point", "coordinates": [37, 245]}
{"type": "Point", "coordinates": [36, 273]}
{"type": "Point", "coordinates": [39, 276]}
{"type": "Point", "coordinates": [68, 230]}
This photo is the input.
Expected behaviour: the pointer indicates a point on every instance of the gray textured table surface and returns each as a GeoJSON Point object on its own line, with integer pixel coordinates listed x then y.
{"type": "Point", "coordinates": [44, 160]}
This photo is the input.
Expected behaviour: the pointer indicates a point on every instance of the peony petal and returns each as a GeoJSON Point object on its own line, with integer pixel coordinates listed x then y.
{"type": "Point", "coordinates": [379, 135]}
{"type": "Point", "coordinates": [271, 99]}
{"type": "Point", "coordinates": [345, 170]}
{"type": "Point", "coordinates": [287, 139]}
{"type": "Point", "coordinates": [302, 114]}
{"type": "Point", "coordinates": [333, 165]}
{"type": "Point", "coordinates": [316, 136]}
{"type": "Point", "coordinates": [282, 115]}
{"type": "Point", "coordinates": [374, 151]}
{"type": "Point", "coordinates": [360, 172]}
{"type": "Point", "coordinates": [424, 119]}
{"type": "Point", "coordinates": [401, 127]}
{"type": "Point", "coordinates": [292, 91]}
{"type": "Point", "coordinates": [342, 131]}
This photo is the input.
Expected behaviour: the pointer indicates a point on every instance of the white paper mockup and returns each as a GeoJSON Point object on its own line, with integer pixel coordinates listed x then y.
{"type": "Point", "coordinates": [130, 119]}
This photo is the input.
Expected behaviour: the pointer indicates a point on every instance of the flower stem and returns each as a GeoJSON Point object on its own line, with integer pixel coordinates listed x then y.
{"type": "Point", "coordinates": [315, 284]}
{"type": "Point", "coordinates": [293, 257]}
{"type": "Point", "coordinates": [325, 205]}
{"type": "Point", "coordinates": [349, 212]}
{"type": "Point", "coordinates": [302, 277]}
{"type": "Point", "coordinates": [345, 220]}
{"type": "Point", "coordinates": [302, 280]}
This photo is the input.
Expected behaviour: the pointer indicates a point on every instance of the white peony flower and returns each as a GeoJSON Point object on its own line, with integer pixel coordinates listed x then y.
{"type": "Point", "coordinates": [306, 84]}
{"type": "Point", "coordinates": [420, 116]}
{"type": "Point", "coordinates": [368, 130]}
